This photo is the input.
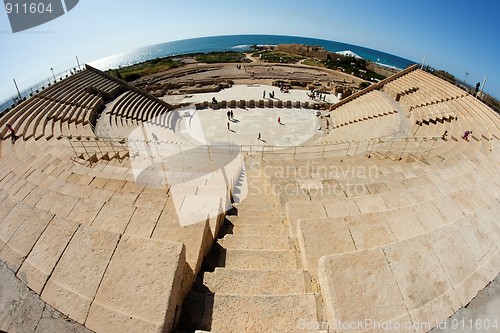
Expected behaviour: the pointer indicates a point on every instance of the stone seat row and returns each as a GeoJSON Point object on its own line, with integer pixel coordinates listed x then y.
{"type": "Point", "coordinates": [132, 106]}
{"type": "Point", "coordinates": [66, 89]}
{"type": "Point", "coordinates": [71, 192]}
{"type": "Point", "coordinates": [148, 220]}
{"type": "Point", "coordinates": [43, 118]}
{"type": "Point", "coordinates": [400, 184]}
{"type": "Point", "coordinates": [375, 228]}
{"type": "Point", "coordinates": [74, 268]}
{"type": "Point", "coordinates": [426, 278]}
{"type": "Point", "coordinates": [423, 89]}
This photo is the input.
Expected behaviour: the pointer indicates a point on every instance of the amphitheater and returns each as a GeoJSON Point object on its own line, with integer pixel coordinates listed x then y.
{"type": "Point", "coordinates": [121, 213]}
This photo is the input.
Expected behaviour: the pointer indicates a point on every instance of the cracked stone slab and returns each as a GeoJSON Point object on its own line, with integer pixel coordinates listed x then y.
{"type": "Point", "coordinates": [21, 310]}
{"type": "Point", "coordinates": [141, 288]}
{"type": "Point", "coordinates": [74, 282]}
{"type": "Point", "coordinates": [360, 285]}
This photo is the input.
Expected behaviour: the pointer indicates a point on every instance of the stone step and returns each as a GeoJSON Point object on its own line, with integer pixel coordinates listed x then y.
{"type": "Point", "coordinates": [256, 229]}
{"type": "Point", "coordinates": [258, 282]}
{"type": "Point", "coordinates": [255, 259]}
{"type": "Point", "coordinates": [257, 209]}
{"type": "Point", "coordinates": [245, 242]}
{"type": "Point", "coordinates": [254, 220]}
{"type": "Point", "coordinates": [262, 313]}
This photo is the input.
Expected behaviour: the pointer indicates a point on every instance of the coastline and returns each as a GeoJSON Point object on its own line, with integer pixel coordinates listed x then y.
{"type": "Point", "coordinates": [240, 43]}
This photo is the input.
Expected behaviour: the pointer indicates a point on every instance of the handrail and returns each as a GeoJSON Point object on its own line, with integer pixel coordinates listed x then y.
{"type": "Point", "coordinates": [93, 149]}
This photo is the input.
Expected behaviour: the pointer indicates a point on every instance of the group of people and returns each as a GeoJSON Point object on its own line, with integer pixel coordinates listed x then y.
{"type": "Point", "coordinates": [316, 94]}
{"type": "Point", "coordinates": [271, 94]}
{"type": "Point", "coordinates": [465, 136]}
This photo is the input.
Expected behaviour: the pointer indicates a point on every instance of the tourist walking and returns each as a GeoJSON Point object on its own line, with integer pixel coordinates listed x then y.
{"type": "Point", "coordinates": [228, 115]}
{"type": "Point", "coordinates": [264, 94]}
{"type": "Point", "coordinates": [228, 126]}
{"type": "Point", "coordinates": [232, 114]}
{"type": "Point", "coordinates": [14, 137]}
{"type": "Point", "coordinates": [258, 138]}
{"type": "Point", "coordinates": [279, 120]}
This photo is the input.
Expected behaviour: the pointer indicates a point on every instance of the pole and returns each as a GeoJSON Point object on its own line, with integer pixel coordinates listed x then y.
{"type": "Point", "coordinates": [484, 82]}
{"type": "Point", "coordinates": [17, 88]}
{"type": "Point", "coordinates": [423, 61]}
{"type": "Point", "coordinates": [465, 79]}
{"type": "Point", "coordinates": [78, 62]}
{"type": "Point", "coordinates": [390, 147]}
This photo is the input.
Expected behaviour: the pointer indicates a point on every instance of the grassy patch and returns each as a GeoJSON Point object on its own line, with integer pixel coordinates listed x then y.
{"type": "Point", "coordinates": [221, 57]}
{"type": "Point", "coordinates": [312, 62]}
{"type": "Point", "coordinates": [137, 71]}
{"type": "Point", "coordinates": [278, 57]}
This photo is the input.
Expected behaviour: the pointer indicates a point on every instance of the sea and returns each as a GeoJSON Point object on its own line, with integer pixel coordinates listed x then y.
{"type": "Point", "coordinates": [241, 43]}
{"type": "Point", "coordinates": [226, 43]}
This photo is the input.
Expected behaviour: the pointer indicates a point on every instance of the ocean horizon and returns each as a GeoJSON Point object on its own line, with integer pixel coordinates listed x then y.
{"type": "Point", "coordinates": [225, 43]}
{"type": "Point", "coordinates": [241, 43]}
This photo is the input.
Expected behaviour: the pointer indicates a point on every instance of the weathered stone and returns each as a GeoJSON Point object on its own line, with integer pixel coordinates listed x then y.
{"type": "Point", "coordinates": [40, 263]}
{"type": "Point", "coordinates": [23, 239]}
{"type": "Point", "coordinates": [352, 290]}
{"type": "Point", "coordinates": [263, 313]}
{"type": "Point", "coordinates": [318, 238]}
{"type": "Point", "coordinates": [369, 230]}
{"type": "Point", "coordinates": [76, 277]}
{"type": "Point", "coordinates": [141, 287]}
{"type": "Point", "coordinates": [264, 282]}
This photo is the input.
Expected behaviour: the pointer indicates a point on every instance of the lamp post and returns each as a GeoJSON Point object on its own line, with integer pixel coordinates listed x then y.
{"type": "Point", "coordinates": [52, 70]}
{"type": "Point", "coordinates": [465, 79]}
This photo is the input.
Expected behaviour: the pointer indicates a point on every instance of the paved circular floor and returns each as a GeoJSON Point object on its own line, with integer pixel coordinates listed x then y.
{"type": "Point", "coordinates": [211, 126]}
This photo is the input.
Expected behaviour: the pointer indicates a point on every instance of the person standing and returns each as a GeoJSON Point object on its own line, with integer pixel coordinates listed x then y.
{"type": "Point", "coordinates": [228, 115]}
{"type": "Point", "coordinates": [264, 94]}
{"type": "Point", "coordinates": [232, 114]}
{"type": "Point", "coordinates": [14, 137]}
{"type": "Point", "coordinates": [279, 120]}
{"type": "Point", "coordinates": [228, 126]}
{"type": "Point", "coordinates": [258, 138]}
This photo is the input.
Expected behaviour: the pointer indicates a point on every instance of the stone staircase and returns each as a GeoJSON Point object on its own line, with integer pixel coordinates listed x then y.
{"type": "Point", "coordinates": [252, 280]}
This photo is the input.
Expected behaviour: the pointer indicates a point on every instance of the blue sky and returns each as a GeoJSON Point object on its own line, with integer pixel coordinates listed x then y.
{"type": "Point", "coordinates": [457, 36]}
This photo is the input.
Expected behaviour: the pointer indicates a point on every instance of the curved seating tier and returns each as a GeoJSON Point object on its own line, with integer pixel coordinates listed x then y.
{"type": "Point", "coordinates": [409, 226]}
{"type": "Point", "coordinates": [65, 108]}
{"type": "Point", "coordinates": [319, 240]}
{"type": "Point", "coordinates": [135, 108]}
{"type": "Point", "coordinates": [372, 115]}
{"type": "Point", "coordinates": [419, 88]}
{"type": "Point", "coordinates": [58, 206]}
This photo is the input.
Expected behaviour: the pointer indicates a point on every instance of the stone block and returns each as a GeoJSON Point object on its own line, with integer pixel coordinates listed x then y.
{"type": "Point", "coordinates": [140, 289]}
{"type": "Point", "coordinates": [425, 286]}
{"type": "Point", "coordinates": [359, 286]}
{"type": "Point", "coordinates": [41, 261]}
{"type": "Point", "coordinates": [369, 230]}
{"type": "Point", "coordinates": [23, 239]}
{"type": "Point", "coordinates": [76, 277]}
{"type": "Point", "coordinates": [318, 238]}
